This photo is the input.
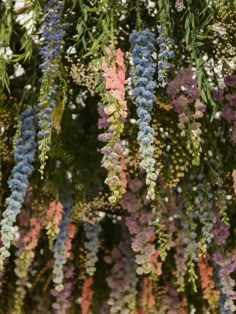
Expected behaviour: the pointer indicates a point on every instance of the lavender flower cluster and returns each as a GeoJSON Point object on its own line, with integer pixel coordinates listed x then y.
{"type": "Point", "coordinates": [228, 266]}
{"type": "Point", "coordinates": [60, 247]}
{"type": "Point", "coordinates": [165, 54]}
{"type": "Point", "coordinates": [52, 34]}
{"type": "Point", "coordinates": [140, 231]}
{"type": "Point", "coordinates": [92, 232]}
{"type": "Point", "coordinates": [111, 155]}
{"type": "Point", "coordinates": [185, 98]}
{"type": "Point", "coordinates": [143, 92]}
{"type": "Point", "coordinates": [18, 184]}
{"type": "Point", "coordinates": [123, 279]}
{"type": "Point", "coordinates": [64, 298]}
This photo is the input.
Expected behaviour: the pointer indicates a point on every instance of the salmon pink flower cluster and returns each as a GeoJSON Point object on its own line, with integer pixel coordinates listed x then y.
{"type": "Point", "coordinates": [54, 216]}
{"type": "Point", "coordinates": [207, 282]}
{"type": "Point", "coordinates": [87, 295]}
{"type": "Point", "coordinates": [147, 303]}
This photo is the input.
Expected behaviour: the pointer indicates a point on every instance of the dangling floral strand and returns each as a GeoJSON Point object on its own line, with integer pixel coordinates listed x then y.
{"type": "Point", "coordinates": [143, 92]}
{"type": "Point", "coordinates": [62, 246]}
{"type": "Point", "coordinates": [54, 216]}
{"type": "Point", "coordinates": [24, 261]}
{"type": "Point", "coordinates": [18, 184]}
{"type": "Point", "coordinates": [112, 117]}
{"type": "Point", "coordinates": [53, 35]}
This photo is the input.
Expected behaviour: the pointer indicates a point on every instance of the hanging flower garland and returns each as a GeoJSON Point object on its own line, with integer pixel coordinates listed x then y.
{"type": "Point", "coordinates": [53, 34]}
{"type": "Point", "coordinates": [18, 184]}
{"type": "Point", "coordinates": [54, 216]}
{"type": "Point", "coordinates": [87, 295]}
{"type": "Point", "coordinates": [185, 98]}
{"type": "Point", "coordinates": [62, 246]}
{"type": "Point", "coordinates": [92, 232]}
{"type": "Point", "coordinates": [112, 117]}
{"type": "Point", "coordinates": [24, 261]}
{"type": "Point", "coordinates": [147, 299]}
{"type": "Point", "coordinates": [141, 232]}
{"type": "Point", "coordinates": [168, 244]}
{"type": "Point", "coordinates": [122, 280]}
{"type": "Point", "coordinates": [142, 74]}
{"type": "Point", "coordinates": [227, 283]}
{"type": "Point", "coordinates": [64, 298]}
{"type": "Point", "coordinates": [207, 283]}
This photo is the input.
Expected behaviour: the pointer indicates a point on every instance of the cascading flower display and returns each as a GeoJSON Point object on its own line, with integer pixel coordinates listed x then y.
{"type": "Point", "coordinates": [87, 295]}
{"type": "Point", "coordinates": [228, 266]}
{"type": "Point", "coordinates": [64, 298]}
{"type": "Point", "coordinates": [141, 233]}
{"type": "Point", "coordinates": [61, 246]}
{"type": "Point", "coordinates": [92, 232]}
{"type": "Point", "coordinates": [112, 117]}
{"type": "Point", "coordinates": [148, 158]}
{"type": "Point", "coordinates": [18, 184]}
{"type": "Point", "coordinates": [26, 255]}
{"type": "Point", "coordinates": [52, 34]}
{"type": "Point", "coordinates": [185, 98]}
{"type": "Point", "coordinates": [207, 283]}
{"type": "Point", "coordinates": [147, 302]}
{"type": "Point", "coordinates": [142, 74]}
{"type": "Point", "coordinates": [122, 280]}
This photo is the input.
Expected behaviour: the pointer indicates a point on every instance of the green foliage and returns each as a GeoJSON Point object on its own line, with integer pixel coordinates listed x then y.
{"type": "Point", "coordinates": [5, 36]}
{"type": "Point", "coordinates": [196, 34]}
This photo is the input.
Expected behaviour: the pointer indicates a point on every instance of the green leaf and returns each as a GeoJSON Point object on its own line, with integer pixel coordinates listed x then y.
{"type": "Point", "coordinates": [187, 36]}
{"type": "Point", "coordinates": [187, 23]}
{"type": "Point", "coordinates": [84, 42]}
{"type": "Point", "coordinates": [203, 95]}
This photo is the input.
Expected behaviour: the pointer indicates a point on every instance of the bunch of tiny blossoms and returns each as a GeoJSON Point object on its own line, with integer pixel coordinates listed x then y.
{"type": "Point", "coordinates": [62, 246]}
{"type": "Point", "coordinates": [23, 263]}
{"type": "Point", "coordinates": [52, 34]}
{"type": "Point", "coordinates": [54, 216]}
{"type": "Point", "coordinates": [18, 184]}
{"type": "Point", "coordinates": [112, 117]}
{"type": "Point", "coordinates": [143, 91]}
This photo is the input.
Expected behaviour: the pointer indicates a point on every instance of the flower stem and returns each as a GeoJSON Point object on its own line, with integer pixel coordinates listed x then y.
{"type": "Point", "coordinates": [138, 16]}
